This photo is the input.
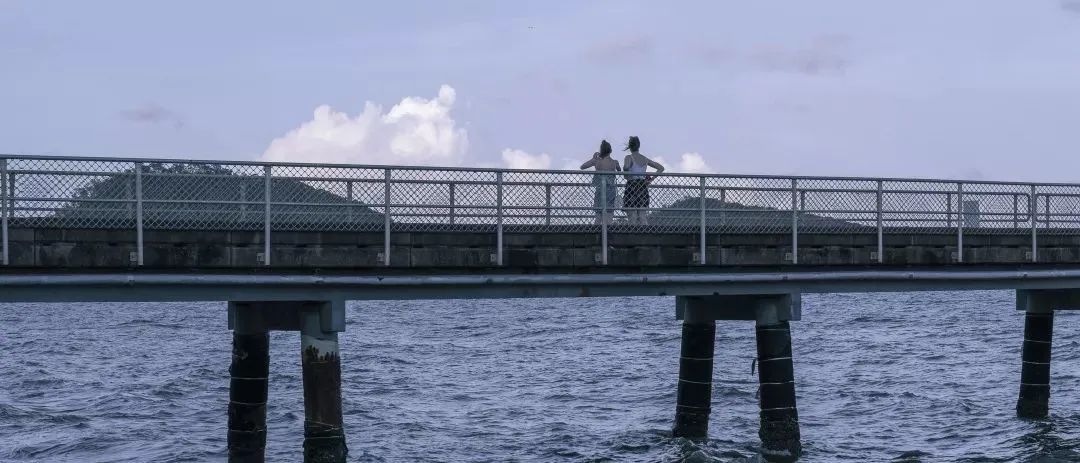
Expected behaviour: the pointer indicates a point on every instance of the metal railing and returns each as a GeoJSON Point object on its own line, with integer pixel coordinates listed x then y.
{"type": "Point", "coordinates": [164, 194]}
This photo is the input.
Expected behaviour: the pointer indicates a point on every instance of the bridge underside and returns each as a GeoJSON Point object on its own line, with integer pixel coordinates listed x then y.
{"type": "Point", "coordinates": [580, 247]}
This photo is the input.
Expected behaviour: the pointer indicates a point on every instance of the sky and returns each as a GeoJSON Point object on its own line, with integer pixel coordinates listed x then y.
{"type": "Point", "coordinates": [965, 89]}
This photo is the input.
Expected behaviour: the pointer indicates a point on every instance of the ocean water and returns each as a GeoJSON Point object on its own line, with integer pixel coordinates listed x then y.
{"type": "Point", "coordinates": [913, 377]}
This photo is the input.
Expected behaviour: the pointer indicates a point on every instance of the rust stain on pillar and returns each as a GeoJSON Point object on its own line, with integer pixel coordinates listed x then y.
{"type": "Point", "coordinates": [324, 436]}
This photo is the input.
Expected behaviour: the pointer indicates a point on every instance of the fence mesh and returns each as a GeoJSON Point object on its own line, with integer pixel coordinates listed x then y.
{"type": "Point", "coordinates": [104, 193]}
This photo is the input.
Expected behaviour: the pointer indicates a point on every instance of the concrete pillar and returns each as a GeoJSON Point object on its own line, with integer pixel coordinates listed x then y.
{"type": "Point", "coordinates": [324, 436]}
{"type": "Point", "coordinates": [1034, 401]}
{"type": "Point", "coordinates": [779, 431]}
{"type": "Point", "coordinates": [694, 395]}
{"type": "Point", "coordinates": [247, 388]}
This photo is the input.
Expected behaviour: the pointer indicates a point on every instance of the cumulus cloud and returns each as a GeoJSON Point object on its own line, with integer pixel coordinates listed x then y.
{"type": "Point", "coordinates": [416, 131]}
{"type": "Point", "coordinates": [152, 113]}
{"type": "Point", "coordinates": [692, 163]}
{"type": "Point", "coordinates": [518, 159]}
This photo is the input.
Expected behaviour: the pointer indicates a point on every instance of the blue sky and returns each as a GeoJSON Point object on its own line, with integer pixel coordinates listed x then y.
{"type": "Point", "coordinates": [978, 89]}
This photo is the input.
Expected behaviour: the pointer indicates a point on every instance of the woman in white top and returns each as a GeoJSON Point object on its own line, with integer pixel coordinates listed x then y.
{"type": "Point", "coordinates": [605, 184]}
{"type": "Point", "coordinates": [636, 195]}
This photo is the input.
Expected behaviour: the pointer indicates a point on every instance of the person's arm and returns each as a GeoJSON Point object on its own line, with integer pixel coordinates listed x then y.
{"type": "Point", "coordinates": [626, 164]}
{"type": "Point", "coordinates": [655, 165]}
{"type": "Point", "coordinates": [589, 163]}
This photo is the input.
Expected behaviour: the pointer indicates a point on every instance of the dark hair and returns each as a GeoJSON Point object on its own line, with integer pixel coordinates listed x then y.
{"type": "Point", "coordinates": [634, 144]}
{"type": "Point", "coordinates": [605, 149]}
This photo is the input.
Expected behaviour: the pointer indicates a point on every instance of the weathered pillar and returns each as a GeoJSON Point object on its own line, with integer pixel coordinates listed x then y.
{"type": "Point", "coordinates": [694, 395]}
{"type": "Point", "coordinates": [324, 436]}
{"type": "Point", "coordinates": [779, 431]}
{"type": "Point", "coordinates": [1034, 401]}
{"type": "Point", "coordinates": [247, 386]}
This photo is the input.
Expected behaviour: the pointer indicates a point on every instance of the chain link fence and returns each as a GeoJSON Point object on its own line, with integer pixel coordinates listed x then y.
{"type": "Point", "coordinates": [100, 193]}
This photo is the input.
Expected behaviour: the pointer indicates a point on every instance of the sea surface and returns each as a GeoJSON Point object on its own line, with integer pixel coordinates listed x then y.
{"type": "Point", "coordinates": [912, 377]}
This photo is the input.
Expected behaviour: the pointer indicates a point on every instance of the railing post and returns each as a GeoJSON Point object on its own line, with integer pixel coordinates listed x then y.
{"type": "Point", "coordinates": [499, 212]}
{"type": "Point", "coordinates": [1016, 211]}
{"type": "Point", "coordinates": [603, 219]}
{"type": "Point", "coordinates": [266, 215]}
{"type": "Point", "coordinates": [547, 204]}
{"type": "Point", "coordinates": [794, 223]}
{"type": "Point", "coordinates": [139, 213]}
{"type": "Point", "coordinates": [386, 218]}
{"type": "Point", "coordinates": [5, 210]}
{"type": "Point", "coordinates": [1032, 204]}
{"type": "Point", "coordinates": [960, 222]}
{"type": "Point", "coordinates": [701, 223]}
{"type": "Point", "coordinates": [880, 226]}
{"type": "Point", "coordinates": [453, 210]}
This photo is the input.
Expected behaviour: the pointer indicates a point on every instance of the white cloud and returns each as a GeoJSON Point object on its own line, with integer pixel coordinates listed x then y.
{"type": "Point", "coordinates": [518, 159]}
{"type": "Point", "coordinates": [691, 163]}
{"type": "Point", "coordinates": [416, 131]}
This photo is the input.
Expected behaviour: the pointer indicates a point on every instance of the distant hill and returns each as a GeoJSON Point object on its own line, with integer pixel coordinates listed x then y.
{"type": "Point", "coordinates": [740, 216]}
{"type": "Point", "coordinates": [215, 194]}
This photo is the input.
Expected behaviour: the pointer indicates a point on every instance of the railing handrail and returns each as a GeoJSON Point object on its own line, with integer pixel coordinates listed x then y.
{"type": "Point", "coordinates": [815, 203]}
{"type": "Point", "coordinates": [505, 170]}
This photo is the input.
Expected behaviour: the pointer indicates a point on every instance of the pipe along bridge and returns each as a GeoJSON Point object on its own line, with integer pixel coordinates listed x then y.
{"type": "Point", "coordinates": [288, 244]}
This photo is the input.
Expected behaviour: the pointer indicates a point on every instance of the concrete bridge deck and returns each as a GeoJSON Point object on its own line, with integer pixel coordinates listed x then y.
{"type": "Point", "coordinates": [287, 244]}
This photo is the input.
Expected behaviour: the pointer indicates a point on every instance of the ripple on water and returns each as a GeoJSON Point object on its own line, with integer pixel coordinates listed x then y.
{"type": "Point", "coordinates": [537, 381]}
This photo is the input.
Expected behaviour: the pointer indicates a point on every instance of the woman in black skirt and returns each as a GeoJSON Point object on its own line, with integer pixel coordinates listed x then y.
{"type": "Point", "coordinates": [636, 195]}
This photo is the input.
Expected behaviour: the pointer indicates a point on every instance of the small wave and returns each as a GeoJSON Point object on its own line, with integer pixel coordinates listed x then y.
{"type": "Point", "coordinates": [912, 456]}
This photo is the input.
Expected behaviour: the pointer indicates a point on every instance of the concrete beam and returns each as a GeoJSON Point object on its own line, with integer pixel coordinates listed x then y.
{"type": "Point", "coordinates": [143, 287]}
{"type": "Point", "coordinates": [1047, 300]}
{"type": "Point", "coordinates": [285, 315]}
{"type": "Point", "coordinates": [777, 307]}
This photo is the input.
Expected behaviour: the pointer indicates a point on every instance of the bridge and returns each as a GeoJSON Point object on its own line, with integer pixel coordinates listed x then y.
{"type": "Point", "coordinates": [288, 244]}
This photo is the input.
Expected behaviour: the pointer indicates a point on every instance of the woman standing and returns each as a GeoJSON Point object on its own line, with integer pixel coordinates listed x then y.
{"type": "Point", "coordinates": [636, 196]}
{"type": "Point", "coordinates": [605, 184]}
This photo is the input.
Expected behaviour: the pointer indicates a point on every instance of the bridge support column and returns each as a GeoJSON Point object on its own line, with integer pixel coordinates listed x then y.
{"type": "Point", "coordinates": [779, 429]}
{"type": "Point", "coordinates": [247, 387]}
{"type": "Point", "coordinates": [1034, 401]}
{"type": "Point", "coordinates": [324, 435]}
{"type": "Point", "coordinates": [319, 323]}
{"type": "Point", "coordinates": [694, 397]}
